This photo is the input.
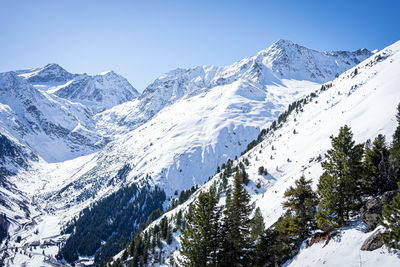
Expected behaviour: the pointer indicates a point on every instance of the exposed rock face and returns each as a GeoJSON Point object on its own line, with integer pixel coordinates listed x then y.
{"type": "Point", "coordinates": [3, 226]}
{"type": "Point", "coordinates": [373, 242]}
{"type": "Point", "coordinates": [372, 209]}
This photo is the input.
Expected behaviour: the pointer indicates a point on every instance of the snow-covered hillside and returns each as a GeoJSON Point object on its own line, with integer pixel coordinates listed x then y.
{"type": "Point", "coordinates": [365, 98]}
{"type": "Point", "coordinates": [97, 92]}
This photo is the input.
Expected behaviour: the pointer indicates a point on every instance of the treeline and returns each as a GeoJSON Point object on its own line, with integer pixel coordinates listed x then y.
{"type": "Point", "coordinates": [113, 219]}
{"type": "Point", "coordinates": [353, 173]}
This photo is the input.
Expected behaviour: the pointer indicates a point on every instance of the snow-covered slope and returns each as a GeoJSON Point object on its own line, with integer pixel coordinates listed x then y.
{"type": "Point", "coordinates": [366, 100]}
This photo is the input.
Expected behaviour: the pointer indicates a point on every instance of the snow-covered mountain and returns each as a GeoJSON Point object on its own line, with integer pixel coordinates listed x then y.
{"type": "Point", "coordinates": [97, 92]}
{"type": "Point", "coordinates": [365, 98]}
{"type": "Point", "coordinates": [49, 73]}
{"type": "Point", "coordinates": [277, 66]}
{"type": "Point", "coordinates": [174, 135]}
{"type": "Point", "coordinates": [53, 128]}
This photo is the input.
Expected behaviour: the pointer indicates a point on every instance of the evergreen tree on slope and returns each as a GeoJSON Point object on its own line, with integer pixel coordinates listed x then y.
{"type": "Point", "coordinates": [200, 239]}
{"type": "Point", "coordinates": [237, 245]}
{"type": "Point", "coordinates": [391, 221]}
{"type": "Point", "coordinates": [301, 201]}
{"type": "Point", "coordinates": [339, 185]}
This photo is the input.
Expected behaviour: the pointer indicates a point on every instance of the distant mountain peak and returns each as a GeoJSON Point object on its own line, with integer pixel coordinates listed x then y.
{"type": "Point", "coordinates": [107, 72]}
{"type": "Point", "coordinates": [52, 72]}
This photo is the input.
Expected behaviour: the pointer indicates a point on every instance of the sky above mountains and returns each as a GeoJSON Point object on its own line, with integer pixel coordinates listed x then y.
{"type": "Point", "coordinates": [142, 40]}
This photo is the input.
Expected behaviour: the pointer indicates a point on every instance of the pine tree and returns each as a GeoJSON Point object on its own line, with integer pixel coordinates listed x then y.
{"type": "Point", "coordinates": [179, 219]}
{"type": "Point", "coordinates": [391, 221]}
{"type": "Point", "coordinates": [301, 201]}
{"type": "Point", "coordinates": [395, 147]}
{"type": "Point", "coordinates": [265, 250]}
{"type": "Point", "coordinates": [378, 174]}
{"type": "Point", "coordinates": [339, 186]}
{"type": "Point", "coordinates": [236, 226]}
{"type": "Point", "coordinates": [200, 240]}
{"type": "Point", "coordinates": [257, 225]}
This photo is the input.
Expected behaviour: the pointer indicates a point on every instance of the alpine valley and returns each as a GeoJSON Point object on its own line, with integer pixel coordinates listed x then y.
{"type": "Point", "coordinates": [89, 167]}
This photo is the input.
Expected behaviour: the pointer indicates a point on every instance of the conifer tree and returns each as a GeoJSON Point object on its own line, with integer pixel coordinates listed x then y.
{"type": "Point", "coordinates": [257, 225]}
{"type": "Point", "coordinates": [300, 202]}
{"type": "Point", "coordinates": [200, 239]}
{"type": "Point", "coordinates": [265, 250]}
{"type": "Point", "coordinates": [391, 221]}
{"type": "Point", "coordinates": [378, 174]}
{"type": "Point", "coordinates": [236, 226]}
{"type": "Point", "coordinates": [395, 148]}
{"type": "Point", "coordinates": [339, 186]}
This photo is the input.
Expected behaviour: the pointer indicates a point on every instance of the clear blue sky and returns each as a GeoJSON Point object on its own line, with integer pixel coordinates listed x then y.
{"type": "Point", "coordinates": [141, 40]}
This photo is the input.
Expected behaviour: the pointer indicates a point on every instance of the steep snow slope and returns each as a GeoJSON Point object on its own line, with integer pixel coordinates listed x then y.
{"type": "Point", "coordinates": [365, 101]}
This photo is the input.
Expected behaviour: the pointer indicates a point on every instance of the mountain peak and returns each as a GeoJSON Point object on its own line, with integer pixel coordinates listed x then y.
{"type": "Point", "coordinates": [107, 72]}
{"type": "Point", "coordinates": [53, 66]}
{"type": "Point", "coordinates": [289, 60]}
{"type": "Point", "coordinates": [282, 42]}
{"type": "Point", "coordinates": [52, 72]}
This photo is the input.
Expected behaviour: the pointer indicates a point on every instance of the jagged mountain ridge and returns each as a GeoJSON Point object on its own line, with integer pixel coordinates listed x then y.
{"type": "Point", "coordinates": [50, 73]}
{"type": "Point", "coordinates": [97, 92]}
{"type": "Point", "coordinates": [283, 60]}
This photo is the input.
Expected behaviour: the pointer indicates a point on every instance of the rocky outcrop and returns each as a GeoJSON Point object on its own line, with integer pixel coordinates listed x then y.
{"type": "Point", "coordinates": [373, 242]}
{"type": "Point", "coordinates": [372, 209]}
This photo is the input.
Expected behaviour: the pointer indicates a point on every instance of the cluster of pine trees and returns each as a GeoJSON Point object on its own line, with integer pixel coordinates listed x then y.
{"type": "Point", "coordinates": [221, 236]}
{"type": "Point", "coordinates": [113, 219]}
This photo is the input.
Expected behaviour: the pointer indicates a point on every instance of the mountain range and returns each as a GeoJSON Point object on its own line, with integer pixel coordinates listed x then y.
{"type": "Point", "coordinates": [70, 141]}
